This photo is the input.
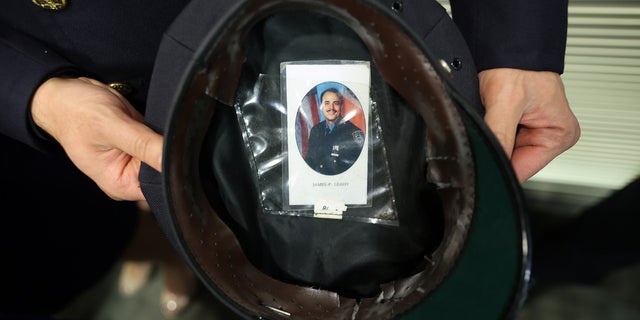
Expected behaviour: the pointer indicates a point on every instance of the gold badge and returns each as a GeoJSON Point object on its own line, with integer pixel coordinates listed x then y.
{"type": "Point", "coordinates": [51, 4]}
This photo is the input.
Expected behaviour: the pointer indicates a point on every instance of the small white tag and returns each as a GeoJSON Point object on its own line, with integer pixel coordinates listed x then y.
{"type": "Point", "coordinates": [329, 209]}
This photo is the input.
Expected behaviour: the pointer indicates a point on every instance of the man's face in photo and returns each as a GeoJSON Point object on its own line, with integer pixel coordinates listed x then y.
{"type": "Point", "coordinates": [331, 105]}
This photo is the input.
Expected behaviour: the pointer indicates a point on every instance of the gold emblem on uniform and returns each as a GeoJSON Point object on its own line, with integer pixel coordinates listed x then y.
{"type": "Point", "coordinates": [122, 88]}
{"type": "Point", "coordinates": [51, 4]}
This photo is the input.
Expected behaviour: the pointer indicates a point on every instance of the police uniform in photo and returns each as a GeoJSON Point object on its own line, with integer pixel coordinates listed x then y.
{"type": "Point", "coordinates": [333, 150]}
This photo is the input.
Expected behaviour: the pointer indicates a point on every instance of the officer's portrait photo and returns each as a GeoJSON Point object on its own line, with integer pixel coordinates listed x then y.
{"type": "Point", "coordinates": [330, 128]}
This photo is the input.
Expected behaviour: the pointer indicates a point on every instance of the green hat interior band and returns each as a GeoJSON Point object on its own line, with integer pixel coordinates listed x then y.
{"type": "Point", "coordinates": [322, 162]}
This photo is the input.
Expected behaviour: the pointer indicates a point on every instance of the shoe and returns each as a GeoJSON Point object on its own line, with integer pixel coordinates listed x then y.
{"type": "Point", "coordinates": [133, 276]}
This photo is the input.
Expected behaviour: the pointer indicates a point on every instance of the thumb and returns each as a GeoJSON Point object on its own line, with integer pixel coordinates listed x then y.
{"type": "Point", "coordinates": [142, 143]}
{"type": "Point", "coordinates": [503, 122]}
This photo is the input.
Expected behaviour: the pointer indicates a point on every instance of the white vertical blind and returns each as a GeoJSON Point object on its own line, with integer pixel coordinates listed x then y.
{"type": "Point", "coordinates": [602, 81]}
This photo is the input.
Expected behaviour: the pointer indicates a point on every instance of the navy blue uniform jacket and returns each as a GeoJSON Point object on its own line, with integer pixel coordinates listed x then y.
{"type": "Point", "coordinates": [115, 40]}
{"type": "Point", "coordinates": [336, 151]}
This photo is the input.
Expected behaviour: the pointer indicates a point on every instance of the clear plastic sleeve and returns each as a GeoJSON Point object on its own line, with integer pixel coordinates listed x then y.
{"type": "Point", "coordinates": [314, 140]}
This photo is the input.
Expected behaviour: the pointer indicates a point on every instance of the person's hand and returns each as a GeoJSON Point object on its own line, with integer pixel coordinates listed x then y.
{"type": "Point", "coordinates": [100, 131]}
{"type": "Point", "coordinates": [529, 114]}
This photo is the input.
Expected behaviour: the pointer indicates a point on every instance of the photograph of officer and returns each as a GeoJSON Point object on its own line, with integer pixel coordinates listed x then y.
{"type": "Point", "coordinates": [334, 143]}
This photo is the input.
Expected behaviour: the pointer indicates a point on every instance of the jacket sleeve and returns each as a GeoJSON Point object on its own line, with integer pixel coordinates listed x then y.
{"type": "Point", "coordinates": [25, 64]}
{"type": "Point", "coordinates": [524, 34]}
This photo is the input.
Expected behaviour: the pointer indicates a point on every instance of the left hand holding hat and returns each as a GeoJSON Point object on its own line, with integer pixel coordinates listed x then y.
{"type": "Point", "coordinates": [100, 131]}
